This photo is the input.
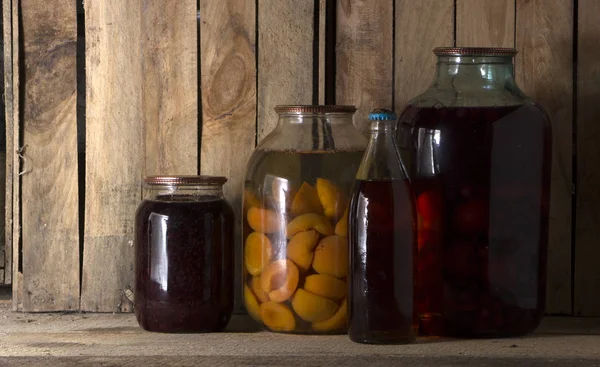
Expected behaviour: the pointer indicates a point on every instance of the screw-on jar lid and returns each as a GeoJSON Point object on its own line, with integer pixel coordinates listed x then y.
{"type": "Point", "coordinates": [314, 109]}
{"type": "Point", "coordinates": [185, 180]}
{"type": "Point", "coordinates": [474, 51]}
{"type": "Point", "coordinates": [382, 114]}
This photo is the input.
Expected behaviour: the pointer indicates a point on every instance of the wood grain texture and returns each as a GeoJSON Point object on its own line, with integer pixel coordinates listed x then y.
{"type": "Point", "coordinates": [485, 23]}
{"type": "Point", "coordinates": [416, 36]}
{"type": "Point", "coordinates": [170, 86]}
{"type": "Point", "coordinates": [114, 157]}
{"type": "Point", "coordinates": [285, 57]}
{"type": "Point", "coordinates": [544, 70]}
{"type": "Point", "coordinates": [50, 216]}
{"type": "Point", "coordinates": [7, 25]}
{"type": "Point", "coordinates": [228, 59]}
{"type": "Point", "coordinates": [587, 228]}
{"type": "Point", "coordinates": [322, 49]}
{"type": "Point", "coordinates": [364, 56]}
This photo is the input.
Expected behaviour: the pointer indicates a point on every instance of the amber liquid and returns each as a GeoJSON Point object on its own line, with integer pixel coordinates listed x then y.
{"type": "Point", "coordinates": [483, 230]}
{"type": "Point", "coordinates": [184, 264]}
{"type": "Point", "coordinates": [382, 262]}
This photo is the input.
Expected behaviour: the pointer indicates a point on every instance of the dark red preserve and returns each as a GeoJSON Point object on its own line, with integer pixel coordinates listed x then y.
{"type": "Point", "coordinates": [184, 253]}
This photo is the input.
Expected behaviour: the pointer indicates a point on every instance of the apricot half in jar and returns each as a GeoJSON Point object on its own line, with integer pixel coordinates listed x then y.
{"type": "Point", "coordinates": [312, 308]}
{"type": "Point", "coordinates": [331, 198]}
{"type": "Point", "coordinates": [251, 303]}
{"type": "Point", "coordinates": [277, 317]}
{"type": "Point", "coordinates": [341, 228]}
{"type": "Point", "coordinates": [308, 221]}
{"type": "Point", "coordinates": [338, 321]}
{"type": "Point", "coordinates": [326, 286]}
{"type": "Point", "coordinates": [300, 248]}
{"type": "Point", "coordinates": [258, 292]}
{"type": "Point", "coordinates": [331, 256]}
{"type": "Point", "coordinates": [250, 199]}
{"type": "Point", "coordinates": [280, 280]}
{"type": "Point", "coordinates": [263, 220]}
{"type": "Point", "coordinates": [306, 201]}
{"type": "Point", "coordinates": [257, 252]}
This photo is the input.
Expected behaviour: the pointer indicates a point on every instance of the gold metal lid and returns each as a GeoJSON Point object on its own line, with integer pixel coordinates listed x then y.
{"type": "Point", "coordinates": [314, 109]}
{"type": "Point", "coordinates": [474, 51]}
{"type": "Point", "coordinates": [185, 180]}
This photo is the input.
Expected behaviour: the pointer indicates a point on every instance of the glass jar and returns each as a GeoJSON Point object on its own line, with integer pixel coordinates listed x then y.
{"type": "Point", "coordinates": [480, 154]}
{"type": "Point", "coordinates": [383, 242]}
{"type": "Point", "coordinates": [295, 202]}
{"type": "Point", "coordinates": [184, 253]}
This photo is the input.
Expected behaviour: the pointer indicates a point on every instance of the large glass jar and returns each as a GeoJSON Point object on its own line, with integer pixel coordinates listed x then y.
{"type": "Point", "coordinates": [184, 252]}
{"type": "Point", "coordinates": [480, 154]}
{"type": "Point", "coordinates": [295, 202]}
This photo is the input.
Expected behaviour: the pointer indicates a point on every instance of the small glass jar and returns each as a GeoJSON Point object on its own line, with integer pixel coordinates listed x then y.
{"type": "Point", "coordinates": [480, 154]}
{"type": "Point", "coordinates": [184, 255]}
{"type": "Point", "coordinates": [296, 196]}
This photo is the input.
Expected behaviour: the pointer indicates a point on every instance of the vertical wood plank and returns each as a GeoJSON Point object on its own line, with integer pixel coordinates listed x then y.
{"type": "Point", "coordinates": [170, 86]}
{"type": "Point", "coordinates": [114, 157]}
{"type": "Point", "coordinates": [587, 228]}
{"type": "Point", "coordinates": [485, 23]}
{"type": "Point", "coordinates": [4, 255]}
{"type": "Point", "coordinates": [228, 72]}
{"type": "Point", "coordinates": [322, 50]}
{"type": "Point", "coordinates": [50, 216]}
{"type": "Point", "coordinates": [364, 52]}
{"type": "Point", "coordinates": [9, 118]}
{"type": "Point", "coordinates": [285, 57]}
{"type": "Point", "coordinates": [544, 67]}
{"type": "Point", "coordinates": [416, 36]}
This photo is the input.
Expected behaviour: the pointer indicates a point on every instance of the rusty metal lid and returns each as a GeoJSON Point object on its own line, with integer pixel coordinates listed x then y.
{"type": "Point", "coordinates": [314, 109]}
{"type": "Point", "coordinates": [474, 51]}
{"type": "Point", "coordinates": [185, 180]}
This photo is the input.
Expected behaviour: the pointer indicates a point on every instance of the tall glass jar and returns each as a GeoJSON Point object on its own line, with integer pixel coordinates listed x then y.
{"type": "Point", "coordinates": [480, 154]}
{"type": "Point", "coordinates": [184, 251]}
{"type": "Point", "coordinates": [296, 194]}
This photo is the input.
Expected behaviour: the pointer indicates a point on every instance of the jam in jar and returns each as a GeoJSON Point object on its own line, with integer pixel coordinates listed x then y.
{"type": "Point", "coordinates": [184, 253]}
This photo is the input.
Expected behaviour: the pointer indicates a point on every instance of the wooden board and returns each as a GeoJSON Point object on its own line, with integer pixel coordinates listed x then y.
{"type": "Point", "coordinates": [285, 58]}
{"type": "Point", "coordinates": [416, 36]}
{"type": "Point", "coordinates": [364, 56]}
{"type": "Point", "coordinates": [228, 59]}
{"type": "Point", "coordinates": [485, 23]}
{"type": "Point", "coordinates": [170, 86]}
{"type": "Point", "coordinates": [544, 69]}
{"type": "Point", "coordinates": [9, 118]}
{"type": "Point", "coordinates": [115, 157]}
{"type": "Point", "coordinates": [587, 229]}
{"type": "Point", "coordinates": [50, 252]}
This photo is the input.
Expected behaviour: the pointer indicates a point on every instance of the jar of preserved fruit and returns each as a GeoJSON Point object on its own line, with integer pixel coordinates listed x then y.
{"type": "Point", "coordinates": [295, 248]}
{"type": "Point", "coordinates": [184, 253]}
{"type": "Point", "coordinates": [480, 158]}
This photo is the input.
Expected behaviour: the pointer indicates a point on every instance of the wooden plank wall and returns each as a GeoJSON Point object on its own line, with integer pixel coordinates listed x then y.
{"type": "Point", "coordinates": [189, 87]}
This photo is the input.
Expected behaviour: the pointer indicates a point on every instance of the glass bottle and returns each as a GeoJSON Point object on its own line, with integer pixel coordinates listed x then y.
{"type": "Point", "coordinates": [184, 253]}
{"type": "Point", "coordinates": [296, 194]}
{"type": "Point", "coordinates": [382, 242]}
{"type": "Point", "coordinates": [483, 203]}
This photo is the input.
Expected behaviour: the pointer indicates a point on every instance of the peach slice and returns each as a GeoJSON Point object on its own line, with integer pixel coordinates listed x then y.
{"type": "Point", "coordinates": [258, 292]}
{"type": "Point", "coordinates": [326, 286]}
{"type": "Point", "coordinates": [280, 280]}
{"type": "Point", "coordinates": [251, 303]}
{"type": "Point", "coordinates": [250, 200]}
{"type": "Point", "coordinates": [331, 256]}
{"type": "Point", "coordinates": [277, 317]}
{"type": "Point", "coordinates": [263, 220]}
{"type": "Point", "coordinates": [300, 248]}
{"type": "Point", "coordinates": [257, 252]}
{"type": "Point", "coordinates": [312, 308]}
{"type": "Point", "coordinates": [331, 198]}
{"type": "Point", "coordinates": [308, 221]}
{"type": "Point", "coordinates": [306, 201]}
{"type": "Point", "coordinates": [336, 322]}
{"type": "Point", "coordinates": [341, 228]}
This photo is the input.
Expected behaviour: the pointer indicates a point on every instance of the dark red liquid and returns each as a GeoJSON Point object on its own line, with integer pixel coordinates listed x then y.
{"type": "Point", "coordinates": [483, 210]}
{"type": "Point", "coordinates": [382, 262]}
{"type": "Point", "coordinates": [184, 265]}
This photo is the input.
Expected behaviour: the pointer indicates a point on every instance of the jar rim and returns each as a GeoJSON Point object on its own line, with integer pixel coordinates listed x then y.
{"type": "Point", "coordinates": [185, 180]}
{"type": "Point", "coordinates": [474, 51]}
{"type": "Point", "coordinates": [315, 109]}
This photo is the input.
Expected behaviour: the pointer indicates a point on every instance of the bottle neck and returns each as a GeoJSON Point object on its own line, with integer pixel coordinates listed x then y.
{"type": "Point", "coordinates": [382, 158]}
{"type": "Point", "coordinates": [182, 192]}
{"type": "Point", "coordinates": [482, 73]}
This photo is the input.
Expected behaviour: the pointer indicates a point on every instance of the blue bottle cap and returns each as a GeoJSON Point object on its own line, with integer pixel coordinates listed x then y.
{"type": "Point", "coordinates": [382, 114]}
